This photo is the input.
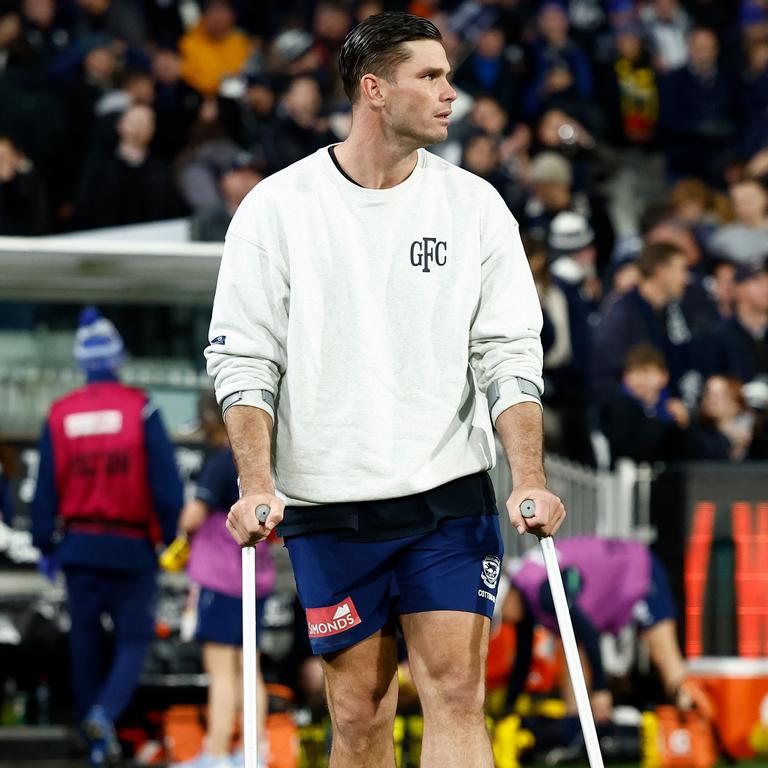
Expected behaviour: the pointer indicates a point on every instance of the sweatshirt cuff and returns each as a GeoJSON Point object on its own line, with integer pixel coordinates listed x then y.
{"type": "Point", "coordinates": [511, 392]}
{"type": "Point", "coordinates": [256, 398]}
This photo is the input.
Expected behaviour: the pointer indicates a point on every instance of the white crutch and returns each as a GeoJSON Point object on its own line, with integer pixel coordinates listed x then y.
{"type": "Point", "coordinates": [249, 647]}
{"type": "Point", "coordinates": [528, 510]}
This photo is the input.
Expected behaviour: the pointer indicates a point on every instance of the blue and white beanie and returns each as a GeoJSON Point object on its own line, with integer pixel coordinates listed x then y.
{"type": "Point", "coordinates": [98, 345]}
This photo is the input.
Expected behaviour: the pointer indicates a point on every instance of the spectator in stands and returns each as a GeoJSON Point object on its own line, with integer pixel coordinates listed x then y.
{"type": "Point", "coordinates": [209, 152]}
{"type": "Point", "coordinates": [696, 308]}
{"type": "Point", "coordinates": [630, 94]}
{"type": "Point", "coordinates": [176, 104]}
{"type": "Point", "coordinates": [23, 196]}
{"type": "Point", "coordinates": [123, 21]}
{"type": "Point", "coordinates": [699, 207]}
{"type": "Point", "coordinates": [211, 225]}
{"type": "Point", "coordinates": [746, 239]}
{"type": "Point", "coordinates": [561, 74]}
{"type": "Point", "coordinates": [297, 128]}
{"type": "Point", "coordinates": [725, 429]}
{"type": "Point", "coordinates": [482, 157]}
{"type": "Point", "coordinates": [641, 421]}
{"type": "Point", "coordinates": [108, 478]}
{"type": "Point", "coordinates": [666, 24]}
{"type": "Point", "coordinates": [698, 110]}
{"type": "Point", "coordinates": [609, 584]}
{"type": "Point", "coordinates": [130, 184]}
{"type": "Point", "coordinates": [739, 346]}
{"type": "Point", "coordinates": [215, 565]}
{"type": "Point", "coordinates": [754, 94]}
{"type": "Point", "coordinates": [721, 285]}
{"type": "Point", "coordinates": [643, 316]}
{"type": "Point", "coordinates": [550, 178]}
{"type": "Point", "coordinates": [624, 274]}
{"type": "Point", "coordinates": [213, 49]}
{"type": "Point", "coordinates": [488, 70]}
{"type": "Point", "coordinates": [572, 253]}
{"type": "Point", "coordinates": [45, 34]}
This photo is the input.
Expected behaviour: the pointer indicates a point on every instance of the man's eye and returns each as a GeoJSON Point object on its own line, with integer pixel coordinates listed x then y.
{"type": "Point", "coordinates": [429, 77]}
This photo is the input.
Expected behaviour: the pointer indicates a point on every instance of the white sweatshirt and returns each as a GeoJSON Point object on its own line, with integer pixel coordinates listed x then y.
{"type": "Point", "coordinates": [360, 311]}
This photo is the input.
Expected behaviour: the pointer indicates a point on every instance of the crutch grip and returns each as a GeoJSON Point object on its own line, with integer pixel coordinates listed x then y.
{"type": "Point", "coordinates": [262, 512]}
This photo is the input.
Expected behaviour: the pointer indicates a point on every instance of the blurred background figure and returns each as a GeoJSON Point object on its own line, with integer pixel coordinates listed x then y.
{"type": "Point", "coordinates": [215, 565]}
{"type": "Point", "coordinates": [128, 184]}
{"type": "Point", "coordinates": [23, 196]}
{"type": "Point", "coordinates": [213, 49]}
{"type": "Point", "coordinates": [210, 224]}
{"type": "Point", "coordinates": [108, 493]}
{"type": "Point", "coordinates": [609, 584]}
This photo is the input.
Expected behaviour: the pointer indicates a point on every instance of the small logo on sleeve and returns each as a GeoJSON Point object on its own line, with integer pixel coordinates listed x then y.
{"type": "Point", "coordinates": [219, 340]}
{"type": "Point", "coordinates": [332, 619]}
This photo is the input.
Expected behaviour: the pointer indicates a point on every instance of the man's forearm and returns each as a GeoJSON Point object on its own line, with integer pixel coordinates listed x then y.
{"type": "Point", "coordinates": [250, 435]}
{"type": "Point", "coordinates": [521, 431]}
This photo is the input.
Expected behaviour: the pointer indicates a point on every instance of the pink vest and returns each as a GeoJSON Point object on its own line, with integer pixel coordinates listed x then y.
{"type": "Point", "coordinates": [215, 560]}
{"type": "Point", "coordinates": [615, 575]}
{"type": "Point", "coordinates": [100, 461]}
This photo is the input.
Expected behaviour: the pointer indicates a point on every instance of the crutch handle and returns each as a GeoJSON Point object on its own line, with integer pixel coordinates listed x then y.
{"type": "Point", "coordinates": [527, 508]}
{"type": "Point", "coordinates": [262, 512]}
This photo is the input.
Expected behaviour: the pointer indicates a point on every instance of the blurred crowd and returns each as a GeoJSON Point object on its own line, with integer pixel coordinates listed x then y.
{"type": "Point", "coordinates": [628, 137]}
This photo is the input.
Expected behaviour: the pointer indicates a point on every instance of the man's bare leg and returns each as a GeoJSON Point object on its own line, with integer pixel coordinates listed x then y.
{"type": "Point", "coordinates": [361, 688]}
{"type": "Point", "coordinates": [447, 652]}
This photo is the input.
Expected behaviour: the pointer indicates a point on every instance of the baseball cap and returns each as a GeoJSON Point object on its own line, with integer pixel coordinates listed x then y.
{"type": "Point", "coordinates": [550, 168]}
{"type": "Point", "coordinates": [569, 233]}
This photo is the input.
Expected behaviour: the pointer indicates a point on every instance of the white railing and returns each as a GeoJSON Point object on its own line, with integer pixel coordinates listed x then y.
{"type": "Point", "coordinates": [598, 501]}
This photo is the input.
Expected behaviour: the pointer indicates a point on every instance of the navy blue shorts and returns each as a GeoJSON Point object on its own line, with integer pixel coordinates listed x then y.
{"type": "Point", "coordinates": [658, 605]}
{"type": "Point", "coordinates": [220, 618]}
{"type": "Point", "coordinates": [351, 589]}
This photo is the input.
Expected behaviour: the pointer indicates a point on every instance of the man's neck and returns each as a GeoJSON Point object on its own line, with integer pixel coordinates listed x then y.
{"type": "Point", "coordinates": [374, 161]}
{"type": "Point", "coordinates": [653, 294]}
{"type": "Point", "coordinates": [132, 154]}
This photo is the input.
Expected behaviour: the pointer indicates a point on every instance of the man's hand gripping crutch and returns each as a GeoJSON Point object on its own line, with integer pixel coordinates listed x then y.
{"type": "Point", "coordinates": [250, 521]}
{"type": "Point", "coordinates": [528, 515]}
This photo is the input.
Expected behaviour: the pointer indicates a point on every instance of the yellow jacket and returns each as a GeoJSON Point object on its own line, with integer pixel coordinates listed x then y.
{"type": "Point", "coordinates": [205, 62]}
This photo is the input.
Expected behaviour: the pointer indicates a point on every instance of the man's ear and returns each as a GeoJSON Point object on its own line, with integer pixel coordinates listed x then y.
{"type": "Point", "coordinates": [371, 90]}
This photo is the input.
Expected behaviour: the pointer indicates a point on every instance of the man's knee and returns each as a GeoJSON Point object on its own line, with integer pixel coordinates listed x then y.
{"type": "Point", "coordinates": [361, 718]}
{"type": "Point", "coordinates": [455, 694]}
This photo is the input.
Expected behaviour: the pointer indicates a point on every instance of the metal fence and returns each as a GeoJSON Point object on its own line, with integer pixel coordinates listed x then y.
{"type": "Point", "coordinates": [598, 501]}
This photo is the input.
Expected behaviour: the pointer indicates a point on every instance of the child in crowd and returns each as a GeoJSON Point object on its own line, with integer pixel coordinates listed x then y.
{"type": "Point", "coordinates": [642, 422]}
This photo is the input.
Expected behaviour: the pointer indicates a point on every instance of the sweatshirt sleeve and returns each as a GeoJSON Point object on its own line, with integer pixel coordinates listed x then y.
{"type": "Point", "coordinates": [247, 351]}
{"type": "Point", "coordinates": [504, 342]}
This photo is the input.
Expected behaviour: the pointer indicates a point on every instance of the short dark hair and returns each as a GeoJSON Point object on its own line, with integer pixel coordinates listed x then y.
{"type": "Point", "coordinates": [655, 255]}
{"type": "Point", "coordinates": [375, 45]}
{"type": "Point", "coordinates": [644, 356]}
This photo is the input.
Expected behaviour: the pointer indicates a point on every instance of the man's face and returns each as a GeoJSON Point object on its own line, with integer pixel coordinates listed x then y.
{"type": "Point", "coordinates": [749, 201]}
{"type": "Point", "coordinates": [754, 293]}
{"type": "Point", "coordinates": [417, 103]}
{"type": "Point", "coordinates": [646, 382]}
{"type": "Point", "coordinates": [702, 49]}
{"type": "Point", "coordinates": [137, 125]}
{"type": "Point", "coordinates": [674, 276]}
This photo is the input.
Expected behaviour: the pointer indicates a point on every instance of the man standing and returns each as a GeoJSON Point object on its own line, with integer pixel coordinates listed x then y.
{"type": "Point", "coordinates": [108, 483]}
{"type": "Point", "coordinates": [379, 290]}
